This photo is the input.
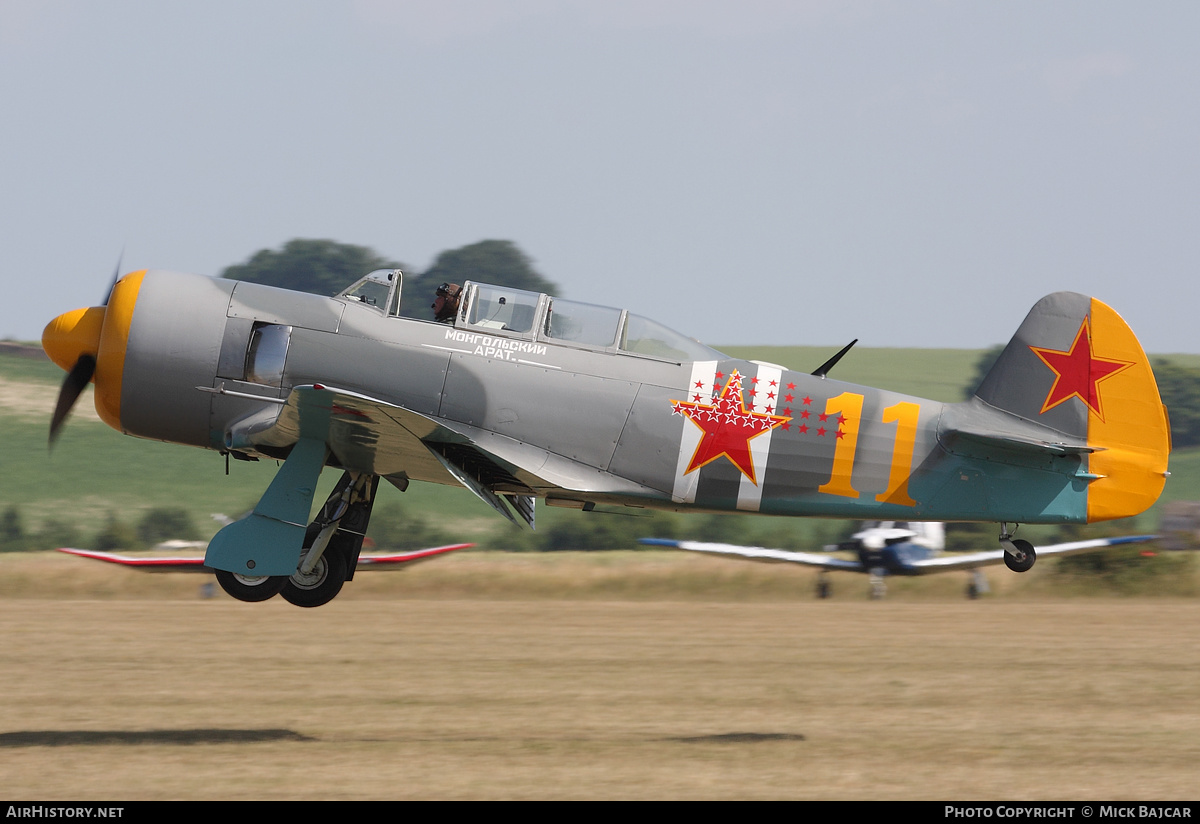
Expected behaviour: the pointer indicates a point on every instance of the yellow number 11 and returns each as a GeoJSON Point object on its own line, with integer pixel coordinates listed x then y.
{"type": "Point", "coordinates": [905, 415]}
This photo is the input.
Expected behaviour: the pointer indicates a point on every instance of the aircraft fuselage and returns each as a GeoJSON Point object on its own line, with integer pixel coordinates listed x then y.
{"type": "Point", "coordinates": [609, 425]}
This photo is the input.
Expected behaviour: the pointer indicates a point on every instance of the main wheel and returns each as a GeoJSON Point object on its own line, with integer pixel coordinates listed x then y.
{"type": "Point", "coordinates": [251, 588]}
{"type": "Point", "coordinates": [319, 586]}
{"type": "Point", "coordinates": [1024, 562]}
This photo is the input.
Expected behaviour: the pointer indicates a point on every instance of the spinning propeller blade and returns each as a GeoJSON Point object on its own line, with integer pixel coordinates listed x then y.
{"type": "Point", "coordinates": [116, 276]}
{"type": "Point", "coordinates": [74, 384]}
{"type": "Point", "coordinates": [74, 338]}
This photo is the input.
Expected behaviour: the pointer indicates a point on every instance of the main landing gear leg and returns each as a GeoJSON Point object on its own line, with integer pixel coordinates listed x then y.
{"type": "Point", "coordinates": [978, 584]}
{"type": "Point", "coordinates": [823, 586]}
{"type": "Point", "coordinates": [1019, 556]}
{"type": "Point", "coordinates": [254, 556]}
{"type": "Point", "coordinates": [878, 585]}
{"type": "Point", "coordinates": [332, 542]}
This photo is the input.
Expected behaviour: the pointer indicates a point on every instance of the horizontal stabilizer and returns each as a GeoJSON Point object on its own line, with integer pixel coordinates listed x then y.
{"type": "Point", "coordinates": [1019, 443]}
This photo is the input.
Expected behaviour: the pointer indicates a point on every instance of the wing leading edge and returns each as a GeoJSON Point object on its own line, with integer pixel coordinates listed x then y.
{"type": "Point", "coordinates": [941, 563]}
{"type": "Point", "coordinates": [397, 560]}
{"type": "Point", "coordinates": [763, 554]}
{"type": "Point", "coordinates": [372, 435]}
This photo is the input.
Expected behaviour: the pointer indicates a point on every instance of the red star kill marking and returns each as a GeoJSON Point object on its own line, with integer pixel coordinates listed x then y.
{"type": "Point", "coordinates": [1078, 372]}
{"type": "Point", "coordinates": [728, 428]}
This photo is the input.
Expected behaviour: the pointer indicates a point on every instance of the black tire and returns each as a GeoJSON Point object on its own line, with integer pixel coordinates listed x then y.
{"type": "Point", "coordinates": [822, 589]}
{"type": "Point", "coordinates": [1022, 564]}
{"type": "Point", "coordinates": [249, 588]}
{"type": "Point", "coordinates": [320, 586]}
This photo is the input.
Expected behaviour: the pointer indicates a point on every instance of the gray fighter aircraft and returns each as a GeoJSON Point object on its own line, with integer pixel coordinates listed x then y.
{"type": "Point", "coordinates": [519, 396]}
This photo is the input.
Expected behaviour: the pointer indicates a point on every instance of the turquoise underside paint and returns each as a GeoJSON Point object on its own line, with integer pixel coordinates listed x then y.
{"type": "Point", "coordinates": [269, 540]}
{"type": "Point", "coordinates": [961, 488]}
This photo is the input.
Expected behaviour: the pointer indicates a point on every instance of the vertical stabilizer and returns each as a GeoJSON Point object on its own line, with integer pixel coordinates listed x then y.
{"type": "Point", "coordinates": [1076, 366]}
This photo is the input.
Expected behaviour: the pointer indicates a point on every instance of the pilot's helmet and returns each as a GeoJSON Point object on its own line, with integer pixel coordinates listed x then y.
{"type": "Point", "coordinates": [445, 303]}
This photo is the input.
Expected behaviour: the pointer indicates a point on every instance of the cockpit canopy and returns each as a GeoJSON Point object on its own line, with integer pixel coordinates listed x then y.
{"type": "Point", "coordinates": [380, 289]}
{"type": "Point", "coordinates": [516, 313]}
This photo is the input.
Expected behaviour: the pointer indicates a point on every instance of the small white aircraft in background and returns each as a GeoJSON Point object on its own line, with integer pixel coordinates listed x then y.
{"type": "Point", "coordinates": [893, 548]}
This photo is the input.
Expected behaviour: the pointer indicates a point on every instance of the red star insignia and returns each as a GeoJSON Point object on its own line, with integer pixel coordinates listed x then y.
{"type": "Point", "coordinates": [1078, 372]}
{"type": "Point", "coordinates": [728, 428]}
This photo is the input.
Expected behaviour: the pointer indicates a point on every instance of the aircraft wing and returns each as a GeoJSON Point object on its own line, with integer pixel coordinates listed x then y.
{"type": "Point", "coordinates": [406, 559]}
{"type": "Point", "coordinates": [165, 564]}
{"type": "Point", "coordinates": [758, 553]}
{"type": "Point", "coordinates": [973, 560]}
{"type": "Point", "coordinates": [941, 563]}
{"type": "Point", "coordinates": [396, 443]}
{"type": "Point", "coordinates": [397, 560]}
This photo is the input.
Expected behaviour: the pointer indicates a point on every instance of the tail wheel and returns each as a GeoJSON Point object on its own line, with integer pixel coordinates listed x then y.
{"type": "Point", "coordinates": [319, 586]}
{"type": "Point", "coordinates": [251, 588]}
{"type": "Point", "coordinates": [1024, 560]}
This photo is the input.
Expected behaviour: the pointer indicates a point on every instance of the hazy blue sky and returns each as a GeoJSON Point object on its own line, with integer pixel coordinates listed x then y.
{"type": "Point", "coordinates": [912, 173]}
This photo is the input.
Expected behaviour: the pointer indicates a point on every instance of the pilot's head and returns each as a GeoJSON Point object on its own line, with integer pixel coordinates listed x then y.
{"type": "Point", "coordinates": [445, 302]}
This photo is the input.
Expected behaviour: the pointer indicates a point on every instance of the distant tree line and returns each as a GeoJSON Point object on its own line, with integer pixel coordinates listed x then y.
{"type": "Point", "coordinates": [326, 267]}
{"type": "Point", "coordinates": [1180, 389]}
{"type": "Point", "coordinates": [155, 526]}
